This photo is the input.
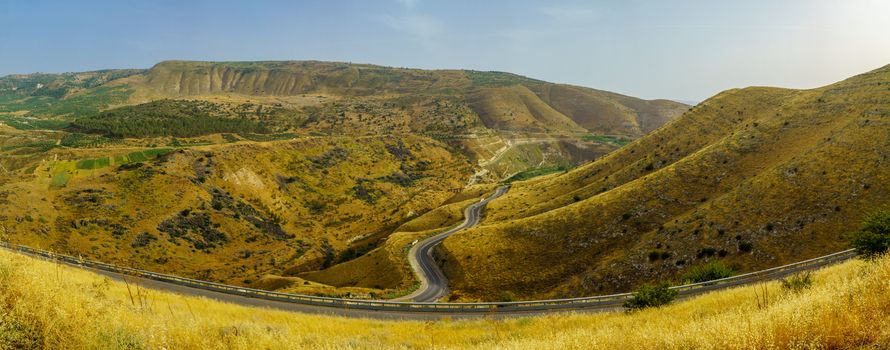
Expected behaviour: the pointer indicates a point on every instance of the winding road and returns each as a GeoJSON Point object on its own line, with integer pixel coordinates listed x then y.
{"type": "Point", "coordinates": [422, 303]}
{"type": "Point", "coordinates": [433, 284]}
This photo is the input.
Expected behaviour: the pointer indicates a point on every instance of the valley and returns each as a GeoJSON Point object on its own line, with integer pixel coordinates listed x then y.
{"type": "Point", "coordinates": [317, 177]}
{"type": "Point", "coordinates": [303, 177]}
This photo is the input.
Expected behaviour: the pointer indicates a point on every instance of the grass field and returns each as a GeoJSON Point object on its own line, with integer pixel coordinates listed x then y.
{"type": "Point", "coordinates": [45, 305]}
{"type": "Point", "coordinates": [60, 179]}
{"type": "Point", "coordinates": [137, 157]}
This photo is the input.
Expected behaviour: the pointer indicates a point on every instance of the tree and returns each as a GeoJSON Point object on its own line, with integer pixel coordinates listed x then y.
{"type": "Point", "coordinates": [873, 237]}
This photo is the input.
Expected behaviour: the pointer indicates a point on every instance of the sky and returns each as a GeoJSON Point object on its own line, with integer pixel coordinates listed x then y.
{"type": "Point", "coordinates": [683, 50]}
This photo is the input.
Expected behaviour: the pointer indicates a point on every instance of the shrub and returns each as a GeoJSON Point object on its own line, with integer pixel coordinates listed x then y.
{"type": "Point", "coordinates": [873, 237]}
{"type": "Point", "coordinates": [658, 254]}
{"type": "Point", "coordinates": [797, 283]}
{"type": "Point", "coordinates": [651, 295]}
{"type": "Point", "coordinates": [706, 252]}
{"type": "Point", "coordinates": [507, 296]}
{"type": "Point", "coordinates": [707, 272]}
{"type": "Point", "coordinates": [142, 240]}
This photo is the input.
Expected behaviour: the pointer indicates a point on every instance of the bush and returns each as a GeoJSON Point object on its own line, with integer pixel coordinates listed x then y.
{"type": "Point", "coordinates": [707, 272]}
{"type": "Point", "coordinates": [651, 295]}
{"type": "Point", "coordinates": [507, 296]}
{"type": "Point", "coordinates": [142, 240]}
{"type": "Point", "coordinates": [797, 282]}
{"type": "Point", "coordinates": [873, 237]}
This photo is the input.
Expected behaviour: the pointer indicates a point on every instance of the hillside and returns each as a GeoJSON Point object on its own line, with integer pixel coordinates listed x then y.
{"type": "Point", "coordinates": [54, 306]}
{"type": "Point", "coordinates": [233, 213]}
{"type": "Point", "coordinates": [752, 178]}
{"type": "Point", "coordinates": [503, 101]}
{"type": "Point", "coordinates": [481, 114]}
{"type": "Point", "coordinates": [270, 173]}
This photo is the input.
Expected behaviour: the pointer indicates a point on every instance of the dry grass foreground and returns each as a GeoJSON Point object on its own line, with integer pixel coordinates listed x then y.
{"type": "Point", "coordinates": [44, 305]}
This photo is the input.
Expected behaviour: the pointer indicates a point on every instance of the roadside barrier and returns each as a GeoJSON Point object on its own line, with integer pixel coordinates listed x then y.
{"type": "Point", "coordinates": [593, 302]}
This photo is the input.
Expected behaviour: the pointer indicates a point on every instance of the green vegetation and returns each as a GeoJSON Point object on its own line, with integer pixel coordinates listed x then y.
{"type": "Point", "coordinates": [141, 156]}
{"type": "Point", "coordinates": [267, 137]}
{"type": "Point", "coordinates": [90, 164]}
{"type": "Point", "coordinates": [481, 78]}
{"type": "Point", "coordinates": [166, 118]}
{"type": "Point", "coordinates": [651, 295]}
{"type": "Point", "coordinates": [23, 123]}
{"type": "Point", "coordinates": [616, 140]}
{"type": "Point", "coordinates": [77, 140]}
{"type": "Point", "coordinates": [873, 237]}
{"type": "Point", "coordinates": [798, 282]}
{"type": "Point", "coordinates": [707, 272]}
{"type": "Point", "coordinates": [156, 152]}
{"type": "Point", "coordinates": [102, 162]}
{"type": "Point", "coordinates": [137, 157]}
{"type": "Point", "coordinates": [81, 105]}
{"type": "Point", "coordinates": [535, 172]}
{"type": "Point", "coordinates": [37, 146]}
{"type": "Point", "coordinates": [86, 164]}
{"type": "Point", "coordinates": [60, 179]}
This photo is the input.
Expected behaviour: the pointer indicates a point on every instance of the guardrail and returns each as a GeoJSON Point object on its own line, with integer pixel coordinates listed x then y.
{"type": "Point", "coordinates": [601, 301]}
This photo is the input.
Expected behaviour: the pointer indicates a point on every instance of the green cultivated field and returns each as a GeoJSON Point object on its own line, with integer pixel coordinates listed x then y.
{"type": "Point", "coordinates": [617, 140]}
{"type": "Point", "coordinates": [137, 157]}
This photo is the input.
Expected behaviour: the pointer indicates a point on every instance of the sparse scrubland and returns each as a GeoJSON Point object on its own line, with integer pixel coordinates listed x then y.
{"type": "Point", "coordinates": [45, 305]}
{"type": "Point", "coordinates": [306, 177]}
{"type": "Point", "coordinates": [751, 178]}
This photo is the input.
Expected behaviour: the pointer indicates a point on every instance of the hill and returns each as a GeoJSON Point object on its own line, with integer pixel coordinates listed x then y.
{"type": "Point", "coordinates": [502, 101]}
{"type": "Point", "coordinates": [750, 178]}
{"type": "Point", "coordinates": [483, 114]}
{"type": "Point", "coordinates": [270, 173]}
{"type": "Point", "coordinates": [231, 212]}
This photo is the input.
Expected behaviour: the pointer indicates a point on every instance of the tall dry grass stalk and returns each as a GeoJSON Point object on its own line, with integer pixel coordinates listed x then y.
{"type": "Point", "coordinates": [43, 305]}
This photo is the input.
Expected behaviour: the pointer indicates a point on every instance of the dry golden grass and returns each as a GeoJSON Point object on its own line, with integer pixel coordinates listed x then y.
{"type": "Point", "coordinates": [45, 305]}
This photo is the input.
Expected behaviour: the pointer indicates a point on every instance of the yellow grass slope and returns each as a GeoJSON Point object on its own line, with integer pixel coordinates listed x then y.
{"type": "Point", "coordinates": [756, 177]}
{"type": "Point", "coordinates": [43, 305]}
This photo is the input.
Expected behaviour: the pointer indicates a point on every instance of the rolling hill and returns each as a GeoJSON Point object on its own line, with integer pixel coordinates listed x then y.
{"type": "Point", "coordinates": [750, 178]}
{"type": "Point", "coordinates": [300, 176]}
{"type": "Point", "coordinates": [480, 113]}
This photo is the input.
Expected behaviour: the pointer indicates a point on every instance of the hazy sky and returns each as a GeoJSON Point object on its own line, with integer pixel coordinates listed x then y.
{"type": "Point", "coordinates": [653, 49]}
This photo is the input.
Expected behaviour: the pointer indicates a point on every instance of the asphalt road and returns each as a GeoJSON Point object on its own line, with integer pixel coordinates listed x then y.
{"type": "Point", "coordinates": [433, 284]}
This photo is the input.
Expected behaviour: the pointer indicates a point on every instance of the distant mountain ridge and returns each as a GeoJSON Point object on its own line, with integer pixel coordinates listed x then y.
{"type": "Point", "coordinates": [502, 100]}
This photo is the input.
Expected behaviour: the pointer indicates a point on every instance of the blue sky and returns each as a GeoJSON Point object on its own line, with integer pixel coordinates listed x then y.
{"type": "Point", "coordinates": [653, 49]}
